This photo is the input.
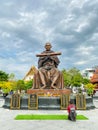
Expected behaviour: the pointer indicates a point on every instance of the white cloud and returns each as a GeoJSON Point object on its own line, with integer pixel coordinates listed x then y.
{"type": "Point", "coordinates": [85, 50]}
{"type": "Point", "coordinates": [5, 35]}
{"type": "Point", "coordinates": [76, 3]}
{"type": "Point", "coordinates": [81, 27]}
{"type": "Point", "coordinates": [71, 27]}
{"type": "Point", "coordinates": [80, 62]}
{"type": "Point", "coordinates": [94, 37]}
{"type": "Point", "coordinates": [11, 65]}
{"type": "Point", "coordinates": [32, 18]}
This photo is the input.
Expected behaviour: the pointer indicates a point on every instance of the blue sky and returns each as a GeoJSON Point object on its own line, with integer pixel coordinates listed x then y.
{"type": "Point", "coordinates": [26, 25]}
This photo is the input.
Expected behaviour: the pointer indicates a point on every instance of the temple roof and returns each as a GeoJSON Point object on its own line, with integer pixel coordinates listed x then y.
{"type": "Point", "coordinates": [30, 72]}
{"type": "Point", "coordinates": [94, 78]}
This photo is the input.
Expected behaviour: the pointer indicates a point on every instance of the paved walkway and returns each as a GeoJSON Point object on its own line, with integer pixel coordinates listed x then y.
{"type": "Point", "coordinates": [7, 121]}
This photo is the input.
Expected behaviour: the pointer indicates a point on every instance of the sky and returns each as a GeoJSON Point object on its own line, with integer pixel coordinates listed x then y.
{"type": "Point", "coordinates": [71, 26]}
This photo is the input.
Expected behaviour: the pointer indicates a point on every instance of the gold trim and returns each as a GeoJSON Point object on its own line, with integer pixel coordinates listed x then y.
{"type": "Point", "coordinates": [65, 98]}
{"type": "Point", "coordinates": [17, 102]}
{"type": "Point", "coordinates": [80, 102]}
{"type": "Point", "coordinates": [36, 102]}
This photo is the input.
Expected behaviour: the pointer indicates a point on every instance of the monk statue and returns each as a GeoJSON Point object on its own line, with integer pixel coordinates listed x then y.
{"type": "Point", "coordinates": [48, 76]}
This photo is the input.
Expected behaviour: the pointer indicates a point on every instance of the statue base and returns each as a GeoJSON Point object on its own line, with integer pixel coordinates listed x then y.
{"type": "Point", "coordinates": [49, 92]}
{"type": "Point", "coordinates": [49, 103]}
{"type": "Point", "coordinates": [49, 99]}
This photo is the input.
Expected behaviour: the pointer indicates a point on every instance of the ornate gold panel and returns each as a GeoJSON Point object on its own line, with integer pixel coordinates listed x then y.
{"type": "Point", "coordinates": [64, 100]}
{"type": "Point", "coordinates": [80, 101]}
{"type": "Point", "coordinates": [15, 101]}
{"type": "Point", "coordinates": [33, 101]}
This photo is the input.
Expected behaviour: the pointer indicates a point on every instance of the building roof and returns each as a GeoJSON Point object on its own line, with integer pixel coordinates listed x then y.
{"type": "Point", "coordinates": [94, 78]}
{"type": "Point", "coordinates": [30, 72]}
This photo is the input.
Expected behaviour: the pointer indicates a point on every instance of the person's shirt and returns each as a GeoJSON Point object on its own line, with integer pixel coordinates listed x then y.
{"type": "Point", "coordinates": [70, 106]}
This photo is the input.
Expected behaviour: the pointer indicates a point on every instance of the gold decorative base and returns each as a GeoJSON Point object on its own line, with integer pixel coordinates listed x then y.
{"type": "Point", "coordinates": [15, 101]}
{"type": "Point", "coordinates": [80, 102]}
{"type": "Point", "coordinates": [33, 102]}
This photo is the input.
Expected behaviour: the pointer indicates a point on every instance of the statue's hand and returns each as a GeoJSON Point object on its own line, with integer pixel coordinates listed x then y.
{"type": "Point", "coordinates": [48, 55]}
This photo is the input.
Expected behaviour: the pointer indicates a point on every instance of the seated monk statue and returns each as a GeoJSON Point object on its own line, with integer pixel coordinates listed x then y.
{"type": "Point", "coordinates": [48, 76]}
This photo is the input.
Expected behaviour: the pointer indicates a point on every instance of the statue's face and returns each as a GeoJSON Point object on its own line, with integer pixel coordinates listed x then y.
{"type": "Point", "coordinates": [48, 47]}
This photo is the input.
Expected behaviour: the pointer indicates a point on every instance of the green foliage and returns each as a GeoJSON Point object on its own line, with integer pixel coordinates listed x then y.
{"type": "Point", "coordinates": [90, 88]}
{"type": "Point", "coordinates": [67, 78]}
{"type": "Point", "coordinates": [3, 76]}
{"type": "Point", "coordinates": [5, 90]}
{"type": "Point", "coordinates": [76, 77]}
{"type": "Point", "coordinates": [24, 85]}
{"type": "Point", "coordinates": [7, 86]}
{"type": "Point", "coordinates": [20, 85]}
{"type": "Point", "coordinates": [28, 84]}
{"type": "Point", "coordinates": [77, 80]}
{"type": "Point", "coordinates": [72, 77]}
{"type": "Point", "coordinates": [8, 83]}
{"type": "Point", "coordinates": [85, 81]}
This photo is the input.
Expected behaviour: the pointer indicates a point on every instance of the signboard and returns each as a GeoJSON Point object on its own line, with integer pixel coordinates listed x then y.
{"type": "Point", "coordinates": [64, 101]}
{"type": "Point", "coordinates": [80, 101]}
{"type": "Point", "coordinates": [33, 101]}
{"type": "Point", "coordinates": [15, 101]}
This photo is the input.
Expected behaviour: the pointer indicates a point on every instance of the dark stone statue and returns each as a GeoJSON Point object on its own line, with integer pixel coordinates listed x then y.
{"type": "Point", "coordinates": [48, 76]}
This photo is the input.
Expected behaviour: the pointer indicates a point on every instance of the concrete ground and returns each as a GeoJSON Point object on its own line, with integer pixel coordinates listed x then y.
{"type": "Point", "coordinates": [7, 121]}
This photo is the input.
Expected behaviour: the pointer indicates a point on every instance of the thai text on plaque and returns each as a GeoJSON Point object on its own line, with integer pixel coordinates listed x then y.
{"type": "Point", "coordinates": [15, 101]}
{"type": "Point", "coordinates": [33, 101]}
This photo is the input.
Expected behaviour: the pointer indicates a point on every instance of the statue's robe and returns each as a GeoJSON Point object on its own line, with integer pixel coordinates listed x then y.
{"type": "Point", "coordinates": [48, 76]}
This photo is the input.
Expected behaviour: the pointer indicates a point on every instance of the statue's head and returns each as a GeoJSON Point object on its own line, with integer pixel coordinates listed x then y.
{"type": "Point", "coordinates": [48, 46]}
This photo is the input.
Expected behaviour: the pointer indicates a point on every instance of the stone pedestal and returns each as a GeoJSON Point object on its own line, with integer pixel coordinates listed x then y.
{"type": "Point", "coordinates": [89, 103]}
{"type": "Point", "coordinates": [49, 103]}
{"type": "Point", "coordinates": [24, 102]}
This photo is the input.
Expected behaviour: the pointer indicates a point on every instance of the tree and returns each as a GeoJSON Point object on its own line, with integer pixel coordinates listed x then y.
{"type": "Point", "coordinates": [76, 77]}
{"type": "Point", "coordinates": [28, 84]}
{"type": "Point", "coordinates": [7, 86]}
{"type": "Point", "coordinates": [67, 78]}
{"type": "Point", "coordinates": [3, 76]}
{"type": "Point", "coordinates": [85, 81]}
{"type": "Point", "coordinates": [90, 88]}
{"type": "Point", "coordinates": [20, 85]}
{"type": "Point", "coordinates": [77, 80]}
{"type": "Point", "coordinates": [72, 77]}
{"type": "Point", "coordinates": [11, 77]}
